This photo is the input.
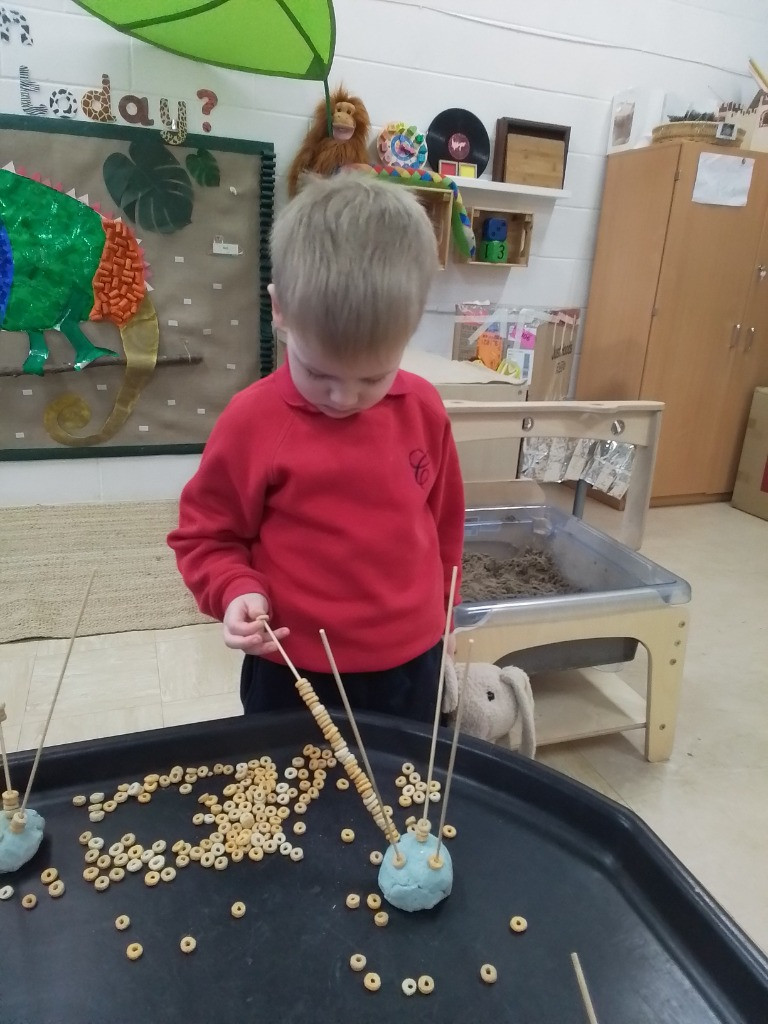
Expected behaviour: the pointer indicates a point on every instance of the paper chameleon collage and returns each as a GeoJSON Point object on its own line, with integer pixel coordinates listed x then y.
{"type": "Point", "coordinates": [139, 255]}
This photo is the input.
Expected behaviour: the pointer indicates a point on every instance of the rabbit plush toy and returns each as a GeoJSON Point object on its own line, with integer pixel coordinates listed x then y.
{"type": "Point", "coordinates": [495, 699]}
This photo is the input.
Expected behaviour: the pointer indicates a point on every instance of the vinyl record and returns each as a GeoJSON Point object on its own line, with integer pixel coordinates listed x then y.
{"type": "Point", "coordinates": [456, 134]}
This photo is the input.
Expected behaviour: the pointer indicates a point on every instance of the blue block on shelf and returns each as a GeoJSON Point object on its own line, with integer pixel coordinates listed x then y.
{"type": "Point", "coordinates": [494, 229]}
{"type": "Point", "coordinates": [493, 252]}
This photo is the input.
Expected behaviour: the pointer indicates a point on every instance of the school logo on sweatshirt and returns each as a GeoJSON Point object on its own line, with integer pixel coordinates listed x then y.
{"type": "Point", "coordinates": [419, 461]}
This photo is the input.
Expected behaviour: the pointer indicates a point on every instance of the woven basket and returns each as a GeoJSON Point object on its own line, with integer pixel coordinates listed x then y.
{"type": "Point", "coordinates": [696, 131]}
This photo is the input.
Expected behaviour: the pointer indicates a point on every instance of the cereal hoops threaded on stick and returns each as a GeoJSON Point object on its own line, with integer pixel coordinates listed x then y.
{"type": "Point", "coordinates": [341, 751]}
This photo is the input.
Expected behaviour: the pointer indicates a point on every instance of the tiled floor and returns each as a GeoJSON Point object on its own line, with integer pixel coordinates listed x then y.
{"type": "Point", "coordinates": [709, 803]}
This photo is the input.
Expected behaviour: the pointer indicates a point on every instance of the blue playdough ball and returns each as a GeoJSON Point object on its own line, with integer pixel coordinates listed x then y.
{"type": "Point", "coordinates": [17, 849]}
{"type": "Point", "coordinates": [416, 885]}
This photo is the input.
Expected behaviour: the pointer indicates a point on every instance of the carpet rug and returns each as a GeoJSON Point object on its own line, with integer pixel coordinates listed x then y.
{"type": "Point", "coordinates": [47, 553]}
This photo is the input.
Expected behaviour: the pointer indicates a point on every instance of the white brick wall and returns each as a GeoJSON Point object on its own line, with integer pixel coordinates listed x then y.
{"type": "Point", "coordinates": [553, 60]}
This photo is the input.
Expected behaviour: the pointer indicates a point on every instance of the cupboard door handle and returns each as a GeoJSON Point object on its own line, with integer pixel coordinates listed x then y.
{"type": "Point", "coordinates": [735, 332]}
{"type": "Point", "coordinates": [761, 272]}
{"type": "Point", "coordinates": [750, 339]}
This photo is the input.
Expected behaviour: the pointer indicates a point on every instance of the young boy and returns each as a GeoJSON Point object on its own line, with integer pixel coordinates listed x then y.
{"type": "Point", "coordinates": [329, 493]}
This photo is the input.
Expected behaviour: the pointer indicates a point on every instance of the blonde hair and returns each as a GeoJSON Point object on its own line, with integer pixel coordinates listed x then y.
{"type": "Point", "coordinates": [352, 261]}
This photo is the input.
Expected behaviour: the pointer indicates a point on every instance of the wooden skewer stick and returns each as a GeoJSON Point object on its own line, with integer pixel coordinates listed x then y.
{"type": "Point", "coordinates": [757, 73]}
{"type": "Point", "coordinates": [438, 709]}
{"type": "Point", "coordinates": [36, 762]}
{"type": "Point", "coordinates": [434, 860]}
{"type": "Point", "coordinates": [399, 858]}
{"type": "Point", "coordinates": [582, 981]}
{"type": "Point", "coordinates": [280, 648]}
{"type": "Point", "coordinates": [6, 768]}
{"type": "Point", "coordinates": [343, 754]}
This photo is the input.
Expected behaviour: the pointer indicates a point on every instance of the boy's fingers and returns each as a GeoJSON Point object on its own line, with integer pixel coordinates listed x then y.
{"type": "Point", "coordinates": [256, 613]}
{"type": "Point", "coordinates": [251, 637]}
{"type": "Point", "coordinates": [253, 643]}
{"type": "Point", "coordinates": [280, 633]}
{"type": "Point", "coordinates": [242, 627]}
{"type": "Point", "coordinates": [263, 644]}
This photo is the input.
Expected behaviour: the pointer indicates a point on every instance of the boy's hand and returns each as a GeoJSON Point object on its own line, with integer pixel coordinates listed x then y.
{"type": "Point", "coordinates": [451, 647]}
{"type": "Point", "coordinates": [244, 625]}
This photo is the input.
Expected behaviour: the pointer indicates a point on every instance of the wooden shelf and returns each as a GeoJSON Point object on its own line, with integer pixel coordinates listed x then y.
{"type": "Point", "coordinates": [578, 704]}
{"type": "Point", "coordinates": [486, 185]}
{"type": "Point", "coordinates": [484, 263]}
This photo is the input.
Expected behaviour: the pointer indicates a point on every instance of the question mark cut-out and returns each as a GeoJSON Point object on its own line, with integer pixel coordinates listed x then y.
{"type": "Point", "coordinates": [210, 100]}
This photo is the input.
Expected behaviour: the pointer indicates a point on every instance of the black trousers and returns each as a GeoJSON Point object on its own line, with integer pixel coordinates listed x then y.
{"type": "Point", "coordinates": [408, 691]}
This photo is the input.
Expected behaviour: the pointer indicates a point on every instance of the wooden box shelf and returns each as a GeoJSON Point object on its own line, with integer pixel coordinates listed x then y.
{"type": "Point", "coordinates": [519, 230]}
{"type": "Point", "coordinates": [438, 204]}
{"type": "Point", "coordinates": [530, 152]}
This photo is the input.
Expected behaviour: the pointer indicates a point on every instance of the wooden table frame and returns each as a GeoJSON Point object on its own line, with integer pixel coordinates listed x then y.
{"type": "Point", "coordinates": [661, 628]}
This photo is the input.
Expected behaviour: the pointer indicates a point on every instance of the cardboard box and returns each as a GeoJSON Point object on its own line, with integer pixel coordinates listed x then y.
{"type": "Point", "coordinates": [537, 345]}
{"type": "Point", "coordinates": [554, 349]}
{"type": "Point", "coordinates": [751, 491]}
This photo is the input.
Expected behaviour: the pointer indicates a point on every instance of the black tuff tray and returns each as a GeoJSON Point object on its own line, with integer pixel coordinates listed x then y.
{"type": "Point", "coordinates": [587, 874]}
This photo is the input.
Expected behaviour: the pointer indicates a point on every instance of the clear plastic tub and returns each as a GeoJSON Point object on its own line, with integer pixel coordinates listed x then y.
{"type": "Point", "coordinates": [606, 575]}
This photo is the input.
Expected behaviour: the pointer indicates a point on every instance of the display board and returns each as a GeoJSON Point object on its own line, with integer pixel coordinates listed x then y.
{"type": "Point", "coordinates": [133, 285]}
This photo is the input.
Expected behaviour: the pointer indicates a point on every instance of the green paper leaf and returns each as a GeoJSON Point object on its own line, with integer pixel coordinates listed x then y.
{"type": "Point", "coordinates": [290, 38]}
{"type": "Point", "coordinates": [150, 186]}
{"type": "Point", "coordinates": [204, 169]}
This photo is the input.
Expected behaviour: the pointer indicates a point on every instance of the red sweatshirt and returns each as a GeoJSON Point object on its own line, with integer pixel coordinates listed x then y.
{"type": "Point", "coordinates": [351, 524]}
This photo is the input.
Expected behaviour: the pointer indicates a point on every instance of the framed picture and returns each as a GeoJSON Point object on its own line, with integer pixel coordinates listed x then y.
{"type": "Point", "coordinates": [448, 167]}
{"type": "Point", "coordinates": [726, 130]}
{"type": "Point", "coordinates": [457, 169]}
{"type": "Point", "coordinates": [634, 115]}
{"type": "Point", "coordinates": [530, 152]}
{"type": "Point", "coordinates": [133, 285]}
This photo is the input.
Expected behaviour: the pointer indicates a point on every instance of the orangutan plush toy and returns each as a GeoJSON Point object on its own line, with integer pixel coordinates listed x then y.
{"type": "Point", "coordinates": [324, 153]}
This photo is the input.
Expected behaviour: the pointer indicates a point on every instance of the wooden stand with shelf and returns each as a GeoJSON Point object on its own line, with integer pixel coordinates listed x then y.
{"type": "Point", "coordinates": [438, 204]}
{"type": "Point", "coordinates": [519, 230]}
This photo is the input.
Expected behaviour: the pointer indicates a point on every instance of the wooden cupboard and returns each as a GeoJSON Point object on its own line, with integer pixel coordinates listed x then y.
{"type": "Point", "coordinates": [678, 311]}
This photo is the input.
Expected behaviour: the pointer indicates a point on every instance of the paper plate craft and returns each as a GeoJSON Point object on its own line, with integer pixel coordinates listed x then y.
{"type": "Point", "coordinates": [402, 145]}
